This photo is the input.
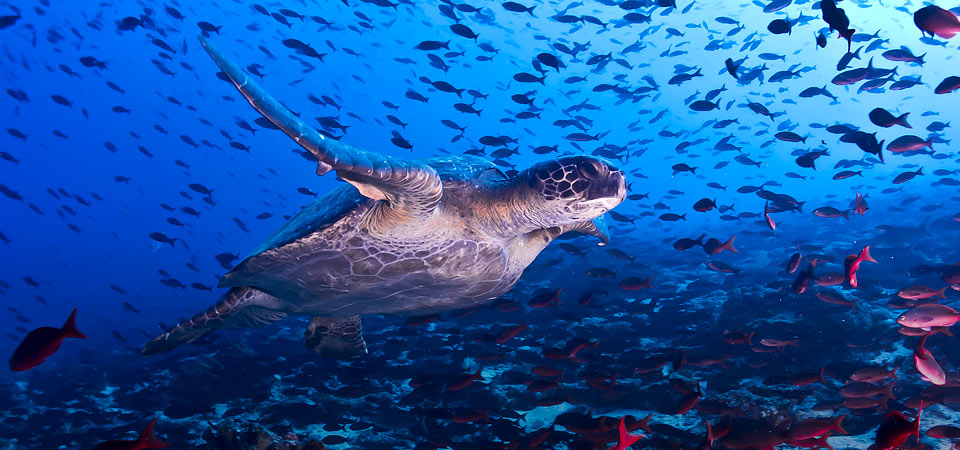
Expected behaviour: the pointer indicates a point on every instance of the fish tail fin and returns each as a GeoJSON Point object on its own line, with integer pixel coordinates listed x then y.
{"type": "Point", "coordinates": [888, 391]}
{"type": "Point", "coordinates": [838, 425]}
{"type": "Point", "coordinates": [70, 327]}
{"type": "Point", "coordinates": [173, 242]}
{"type": "Point", "coordinates": [822, 441]}
{"type": "Point", "coordinates": [823, 380]}
{"type": "Point", "coordinates": [865, 255]}
{"type": "Point", "coordinates": [916, 422]}
{"type": "Point", "coordinates": [729, 244]}
{"type": "Point", "coordinates": [902, 120]}
{"type": "Point", "coordinates": [148, 440]}
{"type": "Point", "coordinates": [750, 338]}
{"type": "Point", "coordinates": [893, 373]}
{"type": "Point", "coordinates": [940, 292]}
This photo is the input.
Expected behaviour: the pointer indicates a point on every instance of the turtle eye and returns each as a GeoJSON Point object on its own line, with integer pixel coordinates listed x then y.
{"type": "Point", "coordinates": [590, 168]}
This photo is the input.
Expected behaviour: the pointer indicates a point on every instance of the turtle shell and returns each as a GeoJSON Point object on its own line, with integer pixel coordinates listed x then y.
{"type": "Point", "coordinates": [334, 205]}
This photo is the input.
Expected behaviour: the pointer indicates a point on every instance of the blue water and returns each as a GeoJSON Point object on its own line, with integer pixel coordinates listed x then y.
{"type": "Point", "coordinates": [86, 183]}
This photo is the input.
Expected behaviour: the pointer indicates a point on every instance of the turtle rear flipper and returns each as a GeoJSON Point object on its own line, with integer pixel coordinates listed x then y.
{"type": "Point", "coordinates": [411, 188]}
{"type": "Point", "coordinates": [241, 307]}
{"type": "Point", "coordinates": [336, 338]}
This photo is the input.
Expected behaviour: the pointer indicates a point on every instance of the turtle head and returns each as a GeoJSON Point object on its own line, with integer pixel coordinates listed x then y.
{"type": "Point", "coordinates": [575, 189]}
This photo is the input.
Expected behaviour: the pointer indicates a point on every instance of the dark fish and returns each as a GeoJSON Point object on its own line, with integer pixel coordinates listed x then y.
{"type": "Point", "coordinates": [463, 30]}
{"type": "Point", "coordinates": [516, 7]}
{"type": "Point", "coordinates": [432, 45]}
{"type": "Point", "coordinates": [160, 237]}
{"type": "Point", "coordinates": [207, 27]}
{"type": "Point", "coordinates": [780, 26]}
{"type": "Point", "coordinates": [882, 118]}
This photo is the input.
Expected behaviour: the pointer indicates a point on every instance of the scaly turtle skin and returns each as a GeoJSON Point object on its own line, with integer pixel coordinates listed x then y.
{"type": "Point", "coordinates": [403, 237]}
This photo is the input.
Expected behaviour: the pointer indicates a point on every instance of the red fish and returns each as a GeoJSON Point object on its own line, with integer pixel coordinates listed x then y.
{"type": "Point", "coordinates": [794, 262]}
{"type": "Point", "coordinates": [874, 374]}
{"type": "Point", "coordinates": [852, 264]}
{"type": "Point", "coordinates": [510, 332]}
{"type": "Point", "coordinates": [539, 436]}
{"type": "Point", "coordinates": [812, 428]}
{"type": "Point", "coordinates": [738, 337]}
{"type": "Point", "coordinates": [690, 398]}
{"type": "Point", "coordinates": [917, 292]}
{"type": "Point", "coordinates": [800, 283]}
{"type": "Point", "coordinates": [547, 371]}
{"type": "Point", "coordinates": [634, 284]}
{"type": "Point", "coordinates": [470, 416]}
{"type": "Point", "coordinates": [836, 298]}
{"type": "Point", "coordinates": [896, 428]}
{"type": "Point", "coordinates": [707, 442]}
{"type": "Point", "coordinates": [721, 361]}
{"type": "Point", "coordinates": [937, 21]}
{"type": "Point", "coordinates": [862, 207]}
{"type": "Point", "coordinates": [633, 424]}
{"type": "Point", "coordinates": [815, 443]}
{"type": "Point", "coordinates": [927, 366]}
{"type": "Point", "coordinates": [714, 246]}
{"type": "Point", "coordinates": [808, 378]}
{"type": "Point", "coordinates": [546, 299]}
{"type": "Point", "coordinates": [462, 381]}
{"type": "Point", "coordinates": [768, 218]}
{"type": "Point", "coordinates": [39, 344]}
{"type": "Point", "coordinates": [929, 316]}
{"type": "Point", "coordinates": [145, 441]}
{"type": "Point", "coordinates": [720, 266]}
{"type": "Point", "coordinates": [542, 385]}
{"type": "Point", "coordinates": [625, 439]}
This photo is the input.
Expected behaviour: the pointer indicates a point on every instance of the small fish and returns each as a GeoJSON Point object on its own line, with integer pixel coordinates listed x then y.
{"type": "Point", "coordinates": [146, 440]}
{"type": "Point", "coordinates": [43, 342]}
{"type": "Point", "coordinates": [162, 238]}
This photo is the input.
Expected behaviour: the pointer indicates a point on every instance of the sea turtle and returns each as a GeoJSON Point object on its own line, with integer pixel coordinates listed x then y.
{"type": "Point", "coordinates": [404, 237]}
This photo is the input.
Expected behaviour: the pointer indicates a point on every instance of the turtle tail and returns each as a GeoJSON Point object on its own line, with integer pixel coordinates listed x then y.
{"type": "Point", "coordinates": [221, 315]}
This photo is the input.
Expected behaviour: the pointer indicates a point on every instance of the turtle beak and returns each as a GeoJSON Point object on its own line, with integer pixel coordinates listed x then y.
{"type": "Point", "coordinates": [609, 190]}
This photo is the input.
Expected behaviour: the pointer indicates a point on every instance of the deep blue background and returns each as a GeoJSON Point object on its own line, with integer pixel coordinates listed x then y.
{"type": "Point", "coordinates": [113, 245]}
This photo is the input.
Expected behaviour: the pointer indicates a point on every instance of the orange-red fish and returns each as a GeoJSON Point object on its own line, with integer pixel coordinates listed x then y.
{"type": "Point", "coordinates": [43, 342]}
{"type": "Point", "coordinates": [852, 264]}
{"type": "Point", "coordinates": [145, 441]}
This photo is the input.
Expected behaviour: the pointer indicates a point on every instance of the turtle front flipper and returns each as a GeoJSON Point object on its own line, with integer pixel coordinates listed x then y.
{"type": "Point", "coordinates": [596, 228]}
{"type": "Point", "coordinates": [411, 188]}
{"type": "Point", "coordinates": [241, 307]}
{"type": "Point", "coordinates": [336, 338]}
